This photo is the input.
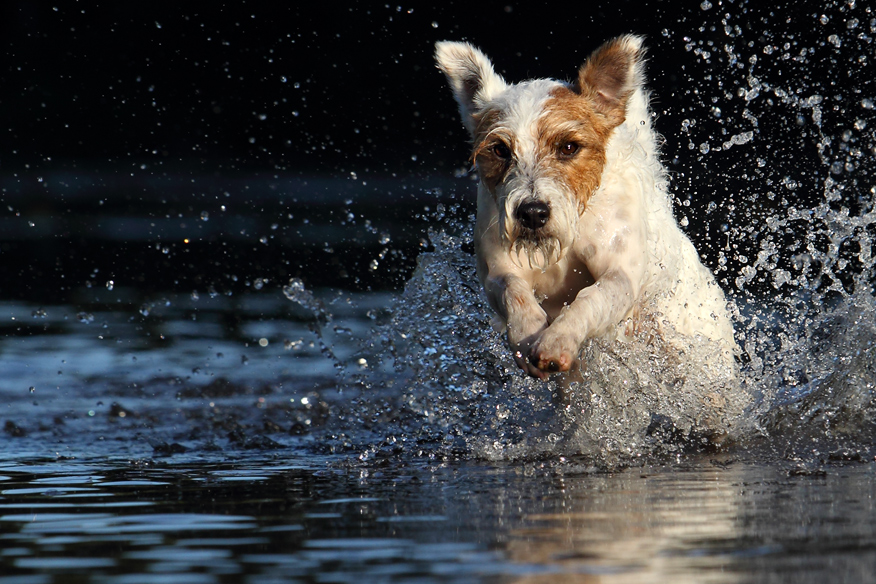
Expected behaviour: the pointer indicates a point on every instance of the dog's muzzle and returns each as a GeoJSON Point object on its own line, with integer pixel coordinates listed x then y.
{"type": "Point", "coordinates": [533, 215]}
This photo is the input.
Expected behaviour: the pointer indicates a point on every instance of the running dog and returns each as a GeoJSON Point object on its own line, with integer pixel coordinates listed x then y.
{"type": "Point", "coordinates": [575, 236]}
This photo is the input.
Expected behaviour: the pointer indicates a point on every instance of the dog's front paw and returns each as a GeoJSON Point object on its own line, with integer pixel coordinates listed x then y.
{"type": "Point", "coordinates": [554, 352]}
{"type": "Point", "coordinates": [521, 350]}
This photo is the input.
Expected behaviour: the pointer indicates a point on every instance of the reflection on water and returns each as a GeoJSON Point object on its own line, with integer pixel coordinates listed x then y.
{"type": "Point", "coordinates": [704, 521]}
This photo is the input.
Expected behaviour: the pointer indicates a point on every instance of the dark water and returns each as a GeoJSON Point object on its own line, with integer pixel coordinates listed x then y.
{"type": "Point", "coordinates": [164, 449]}
{"type": "Point", "coordinates": [259, 519]}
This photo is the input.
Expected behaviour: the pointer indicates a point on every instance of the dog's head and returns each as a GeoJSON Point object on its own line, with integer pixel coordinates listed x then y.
{"type": "Point", "coordinates": [539, 146]}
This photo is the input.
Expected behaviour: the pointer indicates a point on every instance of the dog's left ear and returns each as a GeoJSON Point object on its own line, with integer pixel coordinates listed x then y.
{"type": "Point", "coordinates": [471, 77]}
{"type": "Point", "coordinates": [611, 73]}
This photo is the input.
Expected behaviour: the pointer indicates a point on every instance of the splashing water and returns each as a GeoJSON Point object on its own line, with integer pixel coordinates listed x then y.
{"type": "Point", "coordinates": [632, 399]}
{"type": "Point", "coordinates": [787, 229]}
{"type": "Point", "coordinates": [800, 222]}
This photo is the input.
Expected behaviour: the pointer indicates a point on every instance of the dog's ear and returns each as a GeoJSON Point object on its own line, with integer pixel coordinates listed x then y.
{"type": "Point", "coordinates": [471, 77]}
{"type": "Point", "coordinates": [611, 73]}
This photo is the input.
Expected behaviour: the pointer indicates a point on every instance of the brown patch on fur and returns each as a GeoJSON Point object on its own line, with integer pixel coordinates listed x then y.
{"type": "Point", "coordinates": [607, 78]}
{"type": "Point", "coordinates": [571, 118]}
{"type": "Point", "coordinates": [492, 168]}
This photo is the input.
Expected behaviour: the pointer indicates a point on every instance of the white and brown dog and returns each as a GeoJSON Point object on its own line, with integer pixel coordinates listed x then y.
{"type": "Point", "coordinates": [575, 236]}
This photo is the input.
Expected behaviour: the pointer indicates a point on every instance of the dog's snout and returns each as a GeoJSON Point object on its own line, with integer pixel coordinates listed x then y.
{"type": "Point", "coordinates": [533, 215]}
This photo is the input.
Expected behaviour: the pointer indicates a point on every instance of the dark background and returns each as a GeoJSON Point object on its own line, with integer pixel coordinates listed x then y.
{"type": "Point", "coordinates": [298, 87]}
{"type": "Point", "coordinates": [176, 147]}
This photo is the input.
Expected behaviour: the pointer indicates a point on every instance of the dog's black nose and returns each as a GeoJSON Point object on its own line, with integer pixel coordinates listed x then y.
{"type": "Point", "coordinates": [533, 215]}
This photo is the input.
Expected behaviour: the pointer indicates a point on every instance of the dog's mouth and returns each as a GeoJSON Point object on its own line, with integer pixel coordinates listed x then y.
{"type": "Point", "coordinates": [536, 250]}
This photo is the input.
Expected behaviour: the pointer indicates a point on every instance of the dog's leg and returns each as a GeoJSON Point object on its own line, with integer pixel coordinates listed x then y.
{"type": "Point", "coordinates": [594, 310]}
{"type": "Point", "coordinates": [511, 296]}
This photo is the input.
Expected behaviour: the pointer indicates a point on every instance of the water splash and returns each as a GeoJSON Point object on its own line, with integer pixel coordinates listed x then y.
{"type": "Point", "coordinates": [317, 317]}
{"type": "Point", "coordinates": [780, 187]}
{"type": "Point", "coordinates": [464, 395]}
{"type": "Point", "coordinates": [799, 219]}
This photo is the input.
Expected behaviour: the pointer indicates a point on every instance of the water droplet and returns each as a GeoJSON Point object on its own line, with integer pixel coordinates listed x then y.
{"type": "Point", "coordinates": [205, 216]}
{"type": "Point", "coordinates": [434, 24]}
{"type": "Point", "coordinates": [706, 5]}
{"type": "Point", "coordinates": [32, 389]}
{"type": "Point", "coordinates": [110, 284]}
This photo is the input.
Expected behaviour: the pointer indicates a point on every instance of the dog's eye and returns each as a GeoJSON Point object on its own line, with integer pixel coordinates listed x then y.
{"type": "Point", "coordinates": [568, 149]}
{"type": "Point", "coordinates": [501, 150]}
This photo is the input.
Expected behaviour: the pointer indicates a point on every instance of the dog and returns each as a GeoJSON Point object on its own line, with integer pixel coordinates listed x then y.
{"type": "Point", "coordinates": [575, 236]}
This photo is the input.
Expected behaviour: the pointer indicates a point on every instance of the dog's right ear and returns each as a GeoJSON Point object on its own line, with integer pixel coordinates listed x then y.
{"type": "Point", "coordinates": [471, 77]}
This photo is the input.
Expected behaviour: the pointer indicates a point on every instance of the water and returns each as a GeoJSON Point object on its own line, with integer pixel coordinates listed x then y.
{"type": "Point", "coordinates": [281, 521]}
{"type": "Point", "coordinates": [221, 426]}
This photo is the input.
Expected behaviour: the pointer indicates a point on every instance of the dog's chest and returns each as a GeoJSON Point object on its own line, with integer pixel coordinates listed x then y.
{"type": "Point", "coordinates": [559, 285]}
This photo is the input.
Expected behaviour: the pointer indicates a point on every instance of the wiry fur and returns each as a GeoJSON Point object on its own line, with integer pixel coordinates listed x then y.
{"type": "Point", "coordinates": [575, 236]}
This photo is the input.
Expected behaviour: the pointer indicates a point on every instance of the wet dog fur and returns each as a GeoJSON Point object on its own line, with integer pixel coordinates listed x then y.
{"type": "Point", "coordinates": [575, 236]}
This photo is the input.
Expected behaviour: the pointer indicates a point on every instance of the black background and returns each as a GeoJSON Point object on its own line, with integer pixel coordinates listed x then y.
{"type": "Point", "coordinates": [309, 131]}
{"type": "Point", "coordinates": [295, 86]}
